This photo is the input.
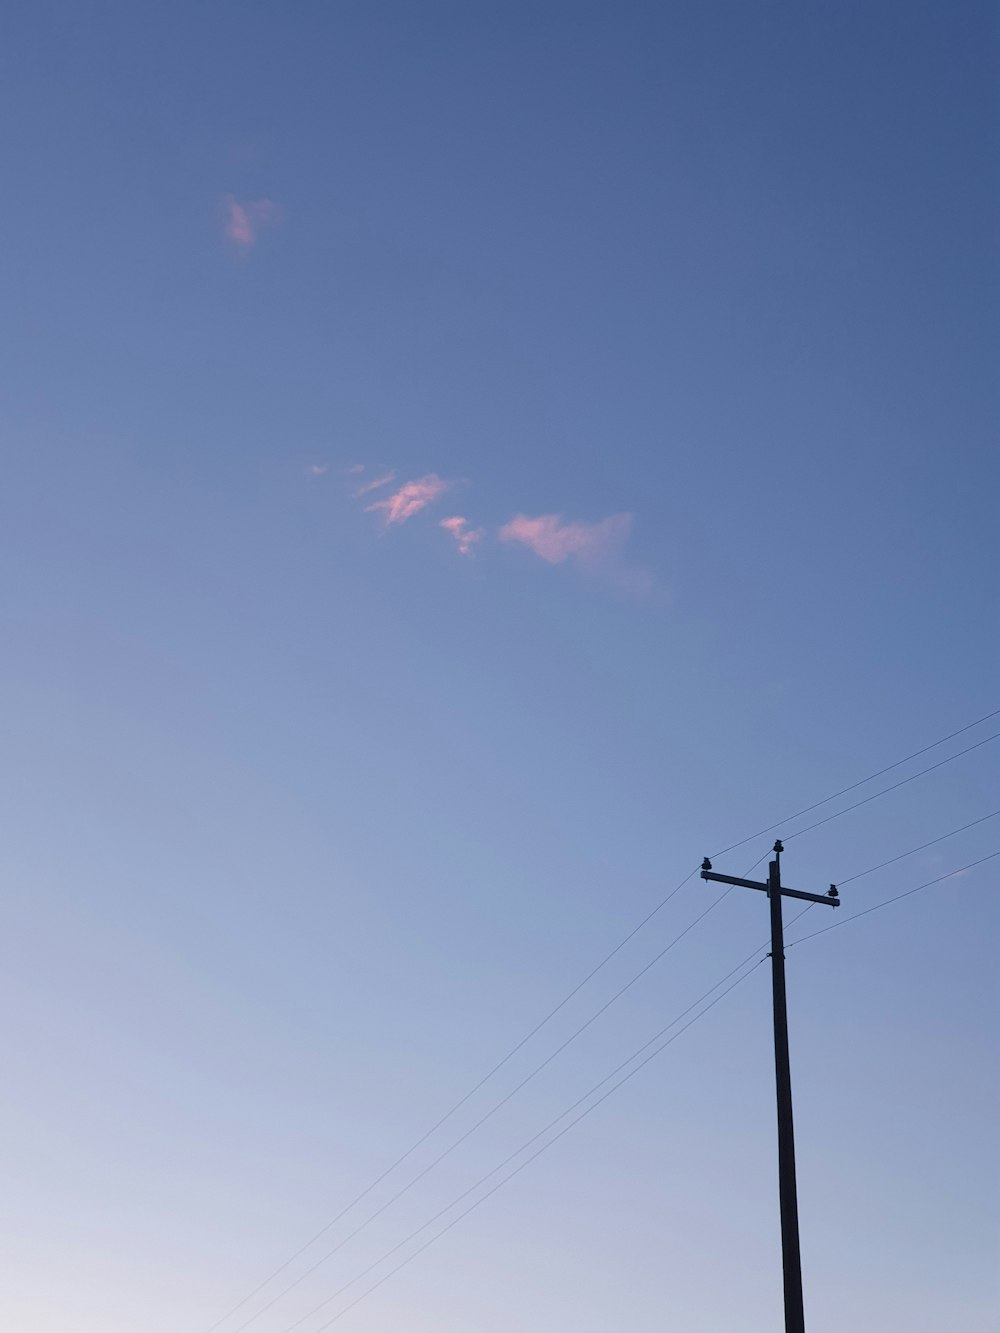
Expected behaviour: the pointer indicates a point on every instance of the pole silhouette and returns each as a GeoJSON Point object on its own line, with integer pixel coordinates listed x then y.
{"type": "Point", "coordinates": [791, 1259]}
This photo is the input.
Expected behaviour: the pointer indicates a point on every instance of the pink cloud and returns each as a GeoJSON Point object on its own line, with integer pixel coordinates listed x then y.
{"type": "Point", "coordinates": [355, 470]}
{"type": "Point", "coordinates": [465, 537]}
{"type": "Point", "coordinates": [555, 541]}
{"type": "Point", "coordinates": [374, 484]}
{"type": "Point", "coordinates": [317, 469]}
{"type": "Point", "coordinates": [244, 222]}
{"type": "Point", "coordinates": [596, 547]}
{"type": "Point", "coordinates": [410, 499]}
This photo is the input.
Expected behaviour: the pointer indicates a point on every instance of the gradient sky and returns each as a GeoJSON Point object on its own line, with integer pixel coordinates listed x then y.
{"type": "Point", "coordinates": [464, 462]}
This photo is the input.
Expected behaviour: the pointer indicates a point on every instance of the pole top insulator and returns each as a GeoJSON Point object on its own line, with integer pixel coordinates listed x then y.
{"type": "Point", "coordinates": [778, 847]}
{"type": "Point", "coordinates": [832, 891]}
{"type": "Point", "coordinates": [706, 864]}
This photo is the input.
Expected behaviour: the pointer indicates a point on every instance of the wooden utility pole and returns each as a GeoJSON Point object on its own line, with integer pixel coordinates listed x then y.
{"type": "Point", "coordinates": [790, 1256]}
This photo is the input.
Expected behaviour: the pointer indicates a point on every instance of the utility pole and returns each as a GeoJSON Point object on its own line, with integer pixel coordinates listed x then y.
{"type": "Point", "coordinates": [790, 1257]}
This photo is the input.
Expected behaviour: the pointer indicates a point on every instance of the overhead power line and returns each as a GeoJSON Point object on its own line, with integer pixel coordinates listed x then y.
{"type": "Point", "coordinates": [861, 782]}
{"type": "Point", "coordinates": [528, 1161]}
{"type": "Point", "coordinates": [893, 787]}
{"type": "Point", "coordinates": [461, 1139]}
{"type": "Point", "coordinates": [482, 1120]}
{"type": "Point", "coordinates": [913, 850]}
{"type": "Point", "coordinates": [452, 1110]}
{"type": "Point", "coordinates": [856, 916]}
{"type": "Point", "coordinates": [752, 957]}
{"type": "Point", "coordinates": [556, 1009]}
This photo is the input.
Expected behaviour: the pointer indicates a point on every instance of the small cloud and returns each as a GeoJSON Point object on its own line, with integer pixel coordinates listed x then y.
{"type": "Point", "coordinates": [410, 499]}
{"type": "Point", "coordinates": [317, 469]}
{"type": "Point", "coordinates": [595, 547]}
{"type": "Point", "coordinates": [374, 484]}
{"type": "Point", "coordinates": [355, 470]}
{"type": "Point", "coordinates": [465, 537]}
{"type": "Point", "coordinates": [555, 541]}
{"type": "Point", "coordinates": [244, 222]}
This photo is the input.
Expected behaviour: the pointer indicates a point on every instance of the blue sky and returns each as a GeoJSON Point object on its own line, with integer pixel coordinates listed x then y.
{"type": "Point", "coordinates": [688, 312]}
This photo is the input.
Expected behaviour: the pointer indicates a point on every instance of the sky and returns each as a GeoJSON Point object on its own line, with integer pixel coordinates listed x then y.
{"type": "Point", "coordinates": [464, 463]}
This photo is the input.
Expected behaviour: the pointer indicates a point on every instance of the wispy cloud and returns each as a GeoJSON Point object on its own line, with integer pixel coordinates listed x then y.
{"type": "Point", "coordinates": [245, 221]}
{"type": "Point", "coordinates": [410, 499]}
{"type": "Point", "coordinates": [466, 538]}
{"type": "Point", "coordinates": [317, 469]}
{"type": "Point", "coordinates": [374, 484]}
{"type": "Point", "coordinates": [555, 541]}
{"type": "Point", "coordinates": [595, 547]}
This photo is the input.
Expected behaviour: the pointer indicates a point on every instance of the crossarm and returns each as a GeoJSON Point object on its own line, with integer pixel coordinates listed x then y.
{"type": "Point", "coordinates": [830, 900]}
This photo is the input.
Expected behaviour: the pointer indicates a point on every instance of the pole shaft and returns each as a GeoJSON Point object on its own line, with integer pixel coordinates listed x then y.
{"type": "Point", "coordinates": [790, 1256]}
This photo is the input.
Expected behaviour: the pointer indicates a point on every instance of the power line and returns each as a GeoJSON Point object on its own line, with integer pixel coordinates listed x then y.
{"type": "Point", "coordinates": [894, 787]}
{"type": "Point", "coordinates": [566, 999]}
{"type": "Point", "coordinates": [923, 846]}
{"type": "Point", "coordinates": [457, 1106]}
{"type": "Point", "coordinates": [482, 1120]}
{"type": "Point", "coordinates": [855, 916]}
{"type": "Point", "coordinates": [527, 1162]}
{"type": "Point", "coordinates": [462, 1138]}
{"type": "Point", "coordinates": [552, 1123]}
{"type": "Point", "coordinates": [860, 783]}
{"type": "Point", "coordinates": [447, 1115]}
